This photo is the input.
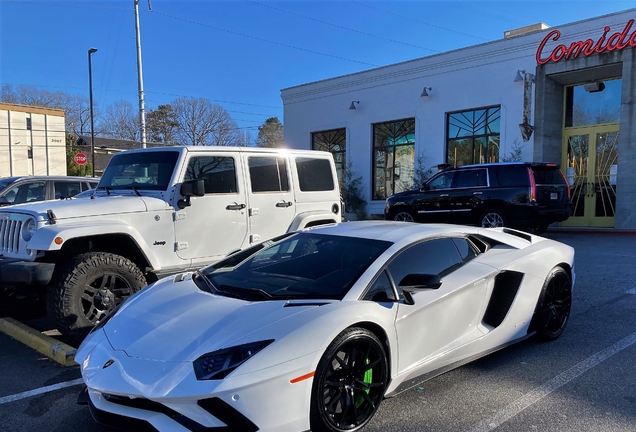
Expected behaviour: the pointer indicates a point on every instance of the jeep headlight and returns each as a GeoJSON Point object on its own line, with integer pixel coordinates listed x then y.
{"type": "Point", "coordinates": [28, 229]}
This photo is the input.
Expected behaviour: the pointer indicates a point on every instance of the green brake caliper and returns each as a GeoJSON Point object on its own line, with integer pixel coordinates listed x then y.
{"type": "Point", "coordinates": [368, 379]}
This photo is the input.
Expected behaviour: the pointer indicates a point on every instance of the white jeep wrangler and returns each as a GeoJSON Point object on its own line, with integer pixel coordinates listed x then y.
{"type": "Point", "coordinates": [157, 212]}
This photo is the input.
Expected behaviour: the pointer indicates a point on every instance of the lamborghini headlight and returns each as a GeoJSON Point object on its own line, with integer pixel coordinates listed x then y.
{"type": "Point", "coordinates": [28, 229]}
{"type": "Point", "coordinates": [220, 363]}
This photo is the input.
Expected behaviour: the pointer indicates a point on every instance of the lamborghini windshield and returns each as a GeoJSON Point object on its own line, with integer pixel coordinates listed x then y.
{"type": "Point", "coordinates": [303, 266]}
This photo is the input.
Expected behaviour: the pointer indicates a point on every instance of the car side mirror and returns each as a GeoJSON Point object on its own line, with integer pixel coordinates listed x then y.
{"type": "Point", "coordinates": [416, 282]}
{"type": "Point", "coordinates": [194, 187]}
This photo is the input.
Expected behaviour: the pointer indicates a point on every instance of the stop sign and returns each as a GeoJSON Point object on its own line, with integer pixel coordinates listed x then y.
{"type": "Point", "coordinates": [80, 158]}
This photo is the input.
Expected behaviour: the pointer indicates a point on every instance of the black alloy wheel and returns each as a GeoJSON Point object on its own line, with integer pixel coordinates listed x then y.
{"type": "Point", "coordinates": [349, 383]}
{"type": "Point", "coordinates": [90, 286]}
{"type": "Point", "coordinates": [554, 306]}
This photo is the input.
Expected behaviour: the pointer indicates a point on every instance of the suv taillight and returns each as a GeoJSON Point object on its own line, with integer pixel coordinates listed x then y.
{"type": "Point", "coordinates": [566, 183]}
{"type": "Point", "coordinates": [533, 186]}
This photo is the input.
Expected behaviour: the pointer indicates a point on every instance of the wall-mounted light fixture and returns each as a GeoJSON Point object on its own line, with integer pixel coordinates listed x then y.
{"type": "Point", "coordinates": [520, 74]}
{"type": "Point", "coordinates": [425, 92]}
{"type": "Point", "coordinates": [353, 105]}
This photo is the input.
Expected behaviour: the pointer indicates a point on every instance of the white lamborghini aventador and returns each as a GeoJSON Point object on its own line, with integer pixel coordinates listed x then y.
{"type": "Point", "coordinates": [314, 329]}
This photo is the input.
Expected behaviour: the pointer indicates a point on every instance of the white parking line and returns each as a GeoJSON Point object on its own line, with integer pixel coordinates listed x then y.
{"type": "Point", "coordinates": [560, 380]}
{"type": "Point", "coordinates": [39, 391]}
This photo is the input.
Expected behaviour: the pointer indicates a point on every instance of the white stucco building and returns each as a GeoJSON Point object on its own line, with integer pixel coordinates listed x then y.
{"type": "Point", "coordinates": [32, 141]}
{"type": "Point", "coordinates": [571, 90]}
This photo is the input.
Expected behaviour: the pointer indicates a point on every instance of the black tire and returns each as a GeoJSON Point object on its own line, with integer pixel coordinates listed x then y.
{"type": "Point", "coordinates": [403, 215]}
{"type": "Point", "coordinates": [493, 218]}
{"type": "Point", "coordinates": [554, 305]}
{"type": "Point", "coordinates": [89, 286]}
{"type": "Point", "coordinates": [349, 383]}
{"type": "Point", "coordinates": [541, 228]}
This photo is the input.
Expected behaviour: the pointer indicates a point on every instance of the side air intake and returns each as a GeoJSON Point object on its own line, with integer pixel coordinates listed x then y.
{"type": "Point", "coordinates": [507, 285]}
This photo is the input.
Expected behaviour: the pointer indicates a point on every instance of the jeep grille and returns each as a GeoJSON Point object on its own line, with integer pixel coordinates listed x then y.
{"type": "Point", "coordinates": [10, 235]}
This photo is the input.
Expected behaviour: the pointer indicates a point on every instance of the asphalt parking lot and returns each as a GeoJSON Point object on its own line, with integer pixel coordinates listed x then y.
{"type": "Point", "coordinates": [584, 381]}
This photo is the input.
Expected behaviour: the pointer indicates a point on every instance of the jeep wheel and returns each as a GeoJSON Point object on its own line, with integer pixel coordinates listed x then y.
{"type": "Point", "coordinates": [493, 218]}
{"type": "Point", "coordinates": [90, 285]}
{"type": "Point", "coordinates": [403, 216]}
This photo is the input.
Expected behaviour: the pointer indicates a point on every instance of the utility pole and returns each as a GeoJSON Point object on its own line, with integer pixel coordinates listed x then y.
{"type": "Point", "coordinates": [140, 79]}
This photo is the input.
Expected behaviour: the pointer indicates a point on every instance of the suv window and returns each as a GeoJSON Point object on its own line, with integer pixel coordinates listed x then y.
{"type": "Point", "coordinates": [66, 189]}
{"type": "Point", "coordinates": [471, 178]}
{"type": "Point", "coordinates": [442, 181]}
{"type": "Point", "coordinates": [314, 174]}
{"type": "Point", "coordinates": [268, 174]}
{"type": "Point", "coordinates": [509, 176]}
{"type": "Point", "coordinates": [439, 256]}
{"type": "Point", "coordinates": [218, 173]}
{"type": "Point", "coordinates": [27, 192]}
{"type": "Point", "coordinates": [547, 175]}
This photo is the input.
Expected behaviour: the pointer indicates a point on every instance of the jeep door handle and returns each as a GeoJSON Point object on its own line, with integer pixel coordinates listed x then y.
{"type": "Point", "coordinates": [443, 195]}
{"type": "Point", "coordinates": [235, 207]}
{"type": "Point", "coordinates": [477, 193]}
{"type": "Point", "coordinates": [284, 204]}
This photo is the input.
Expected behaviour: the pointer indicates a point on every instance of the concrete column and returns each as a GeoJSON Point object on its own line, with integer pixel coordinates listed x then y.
{"type": "Point", "coordinates": [548, 133]}
{"type": "Point", "coordinates": [626, 178]}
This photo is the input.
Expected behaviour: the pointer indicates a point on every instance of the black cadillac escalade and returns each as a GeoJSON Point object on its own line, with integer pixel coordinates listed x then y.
{"type": "Point", "coordinates": [523, 195]}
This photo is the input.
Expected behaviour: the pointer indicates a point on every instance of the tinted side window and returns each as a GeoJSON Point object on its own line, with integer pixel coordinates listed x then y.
{"type": "Point", "coordinates": [268, 174]}
{"type": "Point", "coordinates": [27, 192]}
{"type": "Point", "coordinates": [439, 256]}
{"type": "Point", "coordinates": [471, 178]}
{"type": "Point", "coordinates": [314, 174]}
{"type": "Point", "coordinates": [466, 250]}
{"type": "Point", "coordinates": [442, 181]}
{"type": "Point", "coordinates": [65, 189]}
{"type": "Point", "coordinates": [381, 290]}
{"type": "Point", "coordinates": [218, 173]}
{"type": "Point", "coordinates": [510, 176]}
{"type": "Point", "coordinates": [547, 176]}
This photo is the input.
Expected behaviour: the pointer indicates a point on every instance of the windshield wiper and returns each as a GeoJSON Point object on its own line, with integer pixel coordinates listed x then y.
{"type": "Point", "coordinates": [131, 187]}
{"type": "Point", "coordinates": [250, 291]}
{"type": "Point", "coordinates": [106, 188]}
{"type": "Point", "coordinates": [209, 286]}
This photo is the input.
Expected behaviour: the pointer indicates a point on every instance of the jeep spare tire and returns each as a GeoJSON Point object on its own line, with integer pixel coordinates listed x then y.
{"type": "Point", "coordinates": [90, 286]}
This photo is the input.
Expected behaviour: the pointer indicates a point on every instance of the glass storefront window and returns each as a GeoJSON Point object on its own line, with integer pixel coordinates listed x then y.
{"type": "Point", "coordinates": [393, 157]}
{"type": "Point", "coordinates": [335, 142]}
{"type": "Point", "coordinates": [473, 136]}
{"type": "Point", "coordinates": [584, 108]}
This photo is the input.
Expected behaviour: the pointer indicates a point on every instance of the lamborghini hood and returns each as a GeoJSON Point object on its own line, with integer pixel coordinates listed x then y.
{"type": "Point", "coordinates": [175, 321]}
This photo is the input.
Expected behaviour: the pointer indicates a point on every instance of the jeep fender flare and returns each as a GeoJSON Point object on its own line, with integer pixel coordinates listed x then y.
{"type": "Point", "coordinates": [44, 238]}
{"type": "Point", "coordinates": [312, 218]}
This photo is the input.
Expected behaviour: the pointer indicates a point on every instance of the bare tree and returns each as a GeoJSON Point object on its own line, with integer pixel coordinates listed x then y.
{"type": "Point", "coordinates": [203, 123]}
{"type": "Point", "coordinates": [120, 121]}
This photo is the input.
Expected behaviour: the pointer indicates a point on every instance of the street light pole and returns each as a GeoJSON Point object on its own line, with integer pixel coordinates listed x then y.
{"type": "Point", "coordinates": [140, 79]}
{"type": "Point", "coordinates": [90, 87]}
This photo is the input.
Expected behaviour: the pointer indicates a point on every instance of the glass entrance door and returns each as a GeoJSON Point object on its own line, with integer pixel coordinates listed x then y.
{"type": "Point", "coordinates": [590, 166]}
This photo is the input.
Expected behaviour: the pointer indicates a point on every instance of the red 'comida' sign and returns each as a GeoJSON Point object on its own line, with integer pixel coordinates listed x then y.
{"type": "Point", "coordinates": [617, 41]}
{"type": "Point", "coordinates": [80, 158]}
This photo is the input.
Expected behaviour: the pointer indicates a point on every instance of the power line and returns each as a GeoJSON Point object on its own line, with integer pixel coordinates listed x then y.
{"type": "Point", "coordinates": [342, 27]}
{"type": "Point", "coordinates": [419, 21]}
{"type": "Point", "coordinates": [264, 40]}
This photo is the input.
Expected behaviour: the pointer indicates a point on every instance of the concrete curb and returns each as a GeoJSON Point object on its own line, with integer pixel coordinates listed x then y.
{"type": "Point", "coordinates": [52, 348]}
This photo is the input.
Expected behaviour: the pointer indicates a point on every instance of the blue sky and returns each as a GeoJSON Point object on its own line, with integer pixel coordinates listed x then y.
{"type": "Point", "coordinates": [240, 53]}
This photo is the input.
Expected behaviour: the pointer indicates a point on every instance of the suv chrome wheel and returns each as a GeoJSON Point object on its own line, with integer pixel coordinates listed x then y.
{"type": "Point", "coordinates": [403, 216]}
{"type": "Point", "coordinates": [492, 219]}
